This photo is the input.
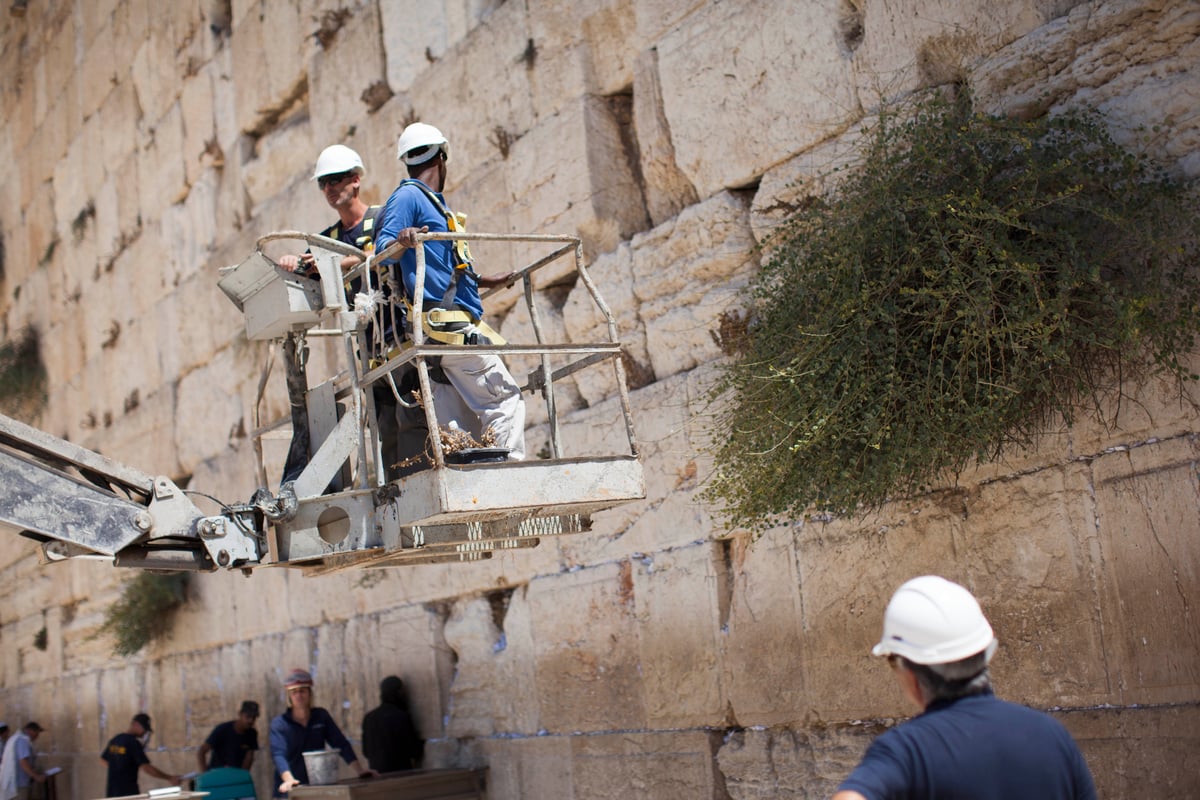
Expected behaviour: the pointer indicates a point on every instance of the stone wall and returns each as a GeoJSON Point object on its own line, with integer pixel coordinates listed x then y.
{"type": "Point", "coordinates": [143, 147]}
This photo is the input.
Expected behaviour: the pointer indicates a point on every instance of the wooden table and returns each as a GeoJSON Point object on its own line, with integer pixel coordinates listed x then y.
{"type": "Point", "coordinates": [418, 784]}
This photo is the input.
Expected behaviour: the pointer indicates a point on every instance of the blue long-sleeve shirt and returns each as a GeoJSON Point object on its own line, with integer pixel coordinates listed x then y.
{"type": "Point", "coordinates": [289, 740]}
{"type": "Point", "coordinates": [409, 207]}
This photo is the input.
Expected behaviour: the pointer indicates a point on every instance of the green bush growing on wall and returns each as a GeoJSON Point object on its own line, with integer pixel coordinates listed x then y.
{"type": "Point", "coordinates": [144, 611]}
{"type": "Point", "coordinates": [972, 282]}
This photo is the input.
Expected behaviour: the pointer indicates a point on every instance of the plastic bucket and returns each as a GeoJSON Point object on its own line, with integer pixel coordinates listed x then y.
{"type": "Point", "coordinates": [322, 766]}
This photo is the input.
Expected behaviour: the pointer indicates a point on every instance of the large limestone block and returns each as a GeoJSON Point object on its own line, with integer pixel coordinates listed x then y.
{"type": "Point", "coordinates": [670, 765]}
{"type": "Point", "coordinates": [763, 763]}
{"type": "Point", "coordinates": [574, 174]}
{"type": "Point", "coordinates": [764, 633]}
{"type": "Point", "coordinates": [1131, 60]}
{"type": "Point", "coordinates": [688, 273]}
{"type": "Point", "coordinates": [341, 73]}
{"type": "Point", "coordinates": [489, 86]}
{"type": "Point", "coordinates": [161, 177]}
{"type": "Point", "coordinates": [157, 74]}
{"type": "Point", "coordinates": [283, 160]}
{"type": "Point", "coordinates": [197, 107]}
{"type": "Point", "coordinates": [118, 121]}
{"type": "Point", "coordinates": [655, 18]}
{"type": "Point", "coordinates": [189, 230]}
{"type": "Point", "coordinates": [193, 323]}
{"type": "Point", "coordinates": [331, 598]}
{"type": "Point", "coordinates": [411, 645]}
{"type": "Point", "coordinates": [679, 614]}
{"type": "Point", "coordinates": [271, 45]}
{"type": "Point", "coordinates": [738, 62]}
{"type": "Point", "coordinates": [99, 73]}
{"type": "Point", "coordinates": [1148, 569]}
{"type": "Point", "coordinates": [263, 607]}
{"type": "Point", "coordinates": [528, 767]}
{"type": "Point", "coordinates": [494, 679]}
{"type": "Point", "coordinates": [199, 396]}
{"type": "Point", "coordinates": [77, 178]}
{"type": "Point", "coordinates": [813, 173]}
{"type": "Point", "coordinates": [1024, 569]}
{"type": "Point", "coordinates": [612, 275]}
{"type": "Point", "coordinates": [416, 34]}
{"type": "Point", "coordinates": [585, 644]}
{"type": "Point", "coordinates": [897, 47]}
{"type": "Point", "coordinates": [668, 191]}
{"type": "Point", "coordinates": [1135, 750]}
{"type": "Point", "coordinates": [1028, 571]}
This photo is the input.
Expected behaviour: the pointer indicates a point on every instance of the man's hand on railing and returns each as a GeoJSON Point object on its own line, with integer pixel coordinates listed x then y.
{"type": "Point", "coordinates": [497, 279]}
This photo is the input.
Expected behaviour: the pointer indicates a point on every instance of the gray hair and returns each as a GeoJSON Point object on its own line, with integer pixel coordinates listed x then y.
{"type": "Point", "coordinates": [952, 680]}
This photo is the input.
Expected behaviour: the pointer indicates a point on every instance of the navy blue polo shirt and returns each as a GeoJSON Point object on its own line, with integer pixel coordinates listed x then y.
{"type": "Point", "coordinates": [977, 747]}
{"type": "Point", "coordinates": [290, 740]}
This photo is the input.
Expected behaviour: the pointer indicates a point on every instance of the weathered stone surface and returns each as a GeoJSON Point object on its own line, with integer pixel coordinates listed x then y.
{"type": "Point", "coordinates": [667, 189]}
{"type": "Point", "coordinates": [742, 56]}
{"type": "Point", "coordinates": [1131, 748]}
{"type": "Point", "coordinates": [763, 634]}
{"type": "Point", "coordinates": [572, 174]}
{"type": "Point", "coordinates": [671, 765]}
{"type": "Point", "coordinates": [900, 47]}
{"type": "Point", "coordinates": [1130, 60]}
{"type": "Point", "coordinates": [341, 73]}
{"type": "Point", "coordinates": [1148, 569]}
{"type": "Point", "coordinates": [585, 646]}
{"type": "Point", "coordinates": [785, 762]}
{"type": "Point", "coordinates": [438, 27]}
{"type": "Point", "coordinates": [679, 633]}
{"type": "Point", "coordinates": [648, 635]}
{"type": "Point", "coordinates": [538, 766]}
{"type": "Point", "coordinates": [686, 275]}
{"type": "Point", "coordinates": [487, 112]}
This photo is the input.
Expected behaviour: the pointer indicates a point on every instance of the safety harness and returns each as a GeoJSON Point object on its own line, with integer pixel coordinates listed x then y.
{"type": "Point", "coordinates": [449, 325]}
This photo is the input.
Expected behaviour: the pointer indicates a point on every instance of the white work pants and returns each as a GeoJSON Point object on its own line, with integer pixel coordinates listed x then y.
{"type": "Point", "coordinates": [487, 388]}
{"type": "Point", "coordinates": [482, 396]}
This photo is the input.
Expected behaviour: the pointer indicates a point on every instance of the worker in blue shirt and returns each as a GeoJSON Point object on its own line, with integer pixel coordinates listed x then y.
{"type": "Point", "coordinates": [451, 309]}
{"type": "Point", "coordinates": [966, 742]}
{"type": "Point", "coordinates": [303, 727]}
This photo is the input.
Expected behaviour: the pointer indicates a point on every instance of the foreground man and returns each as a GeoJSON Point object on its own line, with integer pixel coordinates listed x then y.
{"type": "Point", "coordinates": [303, 727]}
{"type": "Point", "coordinates": [966, 742]}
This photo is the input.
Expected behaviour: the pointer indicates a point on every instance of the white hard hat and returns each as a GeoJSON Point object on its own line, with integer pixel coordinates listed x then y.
{"type": "Point", "coordinates": [336, 159]}
{"type": "Point", "coordinates": [931, 620]}
{"type": "Point", "coordinates": [420, 135]}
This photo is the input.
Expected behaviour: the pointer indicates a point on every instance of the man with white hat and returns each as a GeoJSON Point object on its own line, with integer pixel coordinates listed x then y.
{"type": "Point", "coordinates": [450, 309]}
{"type": "Point", "coordinates": [965, 742]}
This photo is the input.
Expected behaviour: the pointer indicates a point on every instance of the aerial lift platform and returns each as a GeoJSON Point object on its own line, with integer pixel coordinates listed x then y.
{"type": "Point", "coordinates": [342, 511]}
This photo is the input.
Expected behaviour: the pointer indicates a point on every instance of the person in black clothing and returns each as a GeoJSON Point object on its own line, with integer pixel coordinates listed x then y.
{"type": "Point", "coordinates": [232, 743]}
{"type": "Point", "coordinates": [390, 739]}
{"type": "Point", "coordinates": [125, 755]}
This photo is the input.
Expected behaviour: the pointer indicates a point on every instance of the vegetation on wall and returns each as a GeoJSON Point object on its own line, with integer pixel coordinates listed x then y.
{"type": "Point", "coordinates": [973, 282]}
{"type": "Point", "coordinates": [144, 611]}
{"type": "Point", "coordinates": [22, 376]}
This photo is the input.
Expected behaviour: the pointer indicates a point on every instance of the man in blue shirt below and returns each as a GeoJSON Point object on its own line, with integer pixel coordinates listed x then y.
{"type": "Point", "coordinates": [232, 743]}
{"type": "Point", "coordinates": [451, 307]}
{"type": "Point", "coordinates": [965, 742]}
{"type": "Point", "coordinates": [303, 727]}
{"type": "Point", "coordinates": [125, 755]}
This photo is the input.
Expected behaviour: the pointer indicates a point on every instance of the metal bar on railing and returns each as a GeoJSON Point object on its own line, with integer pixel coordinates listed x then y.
{"type": "Point", "coordinates": [618, 364]}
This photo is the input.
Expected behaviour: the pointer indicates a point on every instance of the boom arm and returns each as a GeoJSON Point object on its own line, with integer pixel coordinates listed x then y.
{"type": "Point", "coordinates": [78, 503]}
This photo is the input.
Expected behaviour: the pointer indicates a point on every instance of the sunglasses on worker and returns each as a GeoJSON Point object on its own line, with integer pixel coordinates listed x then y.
{"type": "Point", "coordinates": [334, 180]}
